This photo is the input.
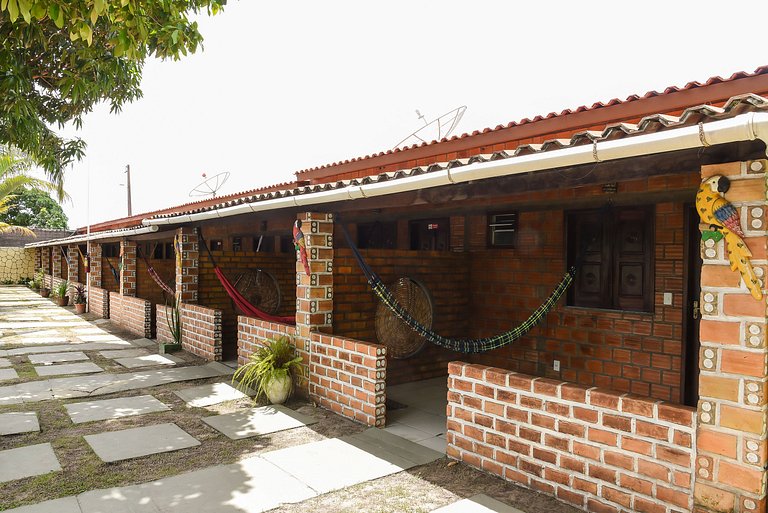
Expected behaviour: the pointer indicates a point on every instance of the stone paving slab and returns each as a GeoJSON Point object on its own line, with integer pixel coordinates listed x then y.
{"type": "Point", "coordinates": [32, 460]}
{"type": "Point", "coordinates": [141, 441]}
{"type": "Point", "coordinates": [102, 384]}
{"type": "Point", "coordinates": [113, 408]}
{"type": "Point", "coordinates": [148, 361]}
{"type": "Point", "coordinates": [69, 368]}
{"type": "Point", "coordinates": [257, 421]}
{"type": "Point", "coordinates": [123, 353]}
{"type": "Point", "coordinates": [478, 504]}
{"type": "Point", "coordinates": [42, 324]}
{"type": "Point", "coordinates": [5, 363]}
{"type": "Point", "coordinates": [51, 358]}
{"type": "Point", "coordinates": [15, 422]}
{"type": "Point", "coordinates": [8, 374]}
{"type": "Point", "coordinates": [63, 505]}
{"type": "Point", "coordinates": [144, 342]}
{"type": "Point", "coordinates": [336, 463]}
{"type": "Point", "coordinates": [61, 348]}
{"type": "Point", "coordinates": [207, 395]}
{"type": "Point", "coordinates": [104, 337]}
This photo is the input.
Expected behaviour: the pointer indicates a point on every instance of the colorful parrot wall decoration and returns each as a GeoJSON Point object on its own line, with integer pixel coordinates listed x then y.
{"type": "Point", "coordinates": [723, 220]}
{"type": "Point", "coordinates": [300, 243]}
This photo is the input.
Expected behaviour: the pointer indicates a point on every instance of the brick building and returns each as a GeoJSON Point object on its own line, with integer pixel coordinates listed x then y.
{"type": "Point", "coordinates": [644, 389]}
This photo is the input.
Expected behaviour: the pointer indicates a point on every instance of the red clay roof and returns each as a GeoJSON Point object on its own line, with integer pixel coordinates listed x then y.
{"type": "Point", "coordinates": [135, 220]}
{"type": "Point", "coordinates": [526, 131]}
{"type": "Point", "coordinates": [620, 110]}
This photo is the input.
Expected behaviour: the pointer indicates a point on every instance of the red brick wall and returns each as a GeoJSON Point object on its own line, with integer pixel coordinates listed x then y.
{"type": "Point", "coordinates": [131, 313]}
{"type": "Point", "coordinates": [98, 302]}
{"type": "Point", "coordinates": [108, 281]}
{"type": "Point", "coordinates": [146, 288]}
{"type": "Point", "coordinates": [213, 295]}
{"type": "Point", "coordinates": [628, 352]}
{"type": "Point", "coordinates": [200, 329]}
{"type": "Point", "coordinates": [348, 377]}
{"type": "Point", "coordinates": [600, 451]}
{"type": "Point", "coordinates": [445, 274]}
{"type": "Point", "coordinates": [253, 332]}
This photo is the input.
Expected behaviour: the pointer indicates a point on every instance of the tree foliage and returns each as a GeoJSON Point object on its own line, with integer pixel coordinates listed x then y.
{"type": "Point", "coordinates": [34, 207]}
{"type": "Point", "coordinates": [59, 58]}
{"type": "Point", "coordinates": [15, 178]}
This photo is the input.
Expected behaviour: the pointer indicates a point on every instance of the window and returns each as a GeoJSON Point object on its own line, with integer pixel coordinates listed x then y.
{"type": "Point", "coordinates": [617, 258]}
{"type": "Point", "coordinates": [110, 250]}
{"type": "Point", "coordinates": [502, 230]}
{"type": "Point", "coordinates": [158, 253]}
{"type": "Point", "coordinates": [217, 245]}
{"type": "Point", "coordinates": [286, 244]}
{"type": "Point", "coordinates": [377, 235]}
{"type": "Point", "coordinates": [430, 234]}
{"type": "Point", "coordinates": [264, 244]}
{"type": "Point", "coordinates": [170, 252]}
{"type": "Point", "coordinates": [237, 243]}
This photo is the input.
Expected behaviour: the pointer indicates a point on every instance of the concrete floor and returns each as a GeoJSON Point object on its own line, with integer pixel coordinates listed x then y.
{"type": "Point", "coordinates": [423, 419]}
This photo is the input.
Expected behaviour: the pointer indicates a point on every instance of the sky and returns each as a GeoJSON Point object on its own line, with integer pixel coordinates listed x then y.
{"type": "Point", "coordinates": [285, 86]}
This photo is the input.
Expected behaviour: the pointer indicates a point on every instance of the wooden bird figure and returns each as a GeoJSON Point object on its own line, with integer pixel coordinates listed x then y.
{"type": "Point", "coordinates": [722, 216]}
{"type": "Point", "coordinates": [300, 243]}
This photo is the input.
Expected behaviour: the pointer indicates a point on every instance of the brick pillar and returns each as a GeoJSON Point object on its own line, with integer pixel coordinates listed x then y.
{"type": "Point", "coordinates": [74, 270]}
{"type": "Point", "coordinates": [95, 258]}
{"type": "Point", "coordinates": [127, 268]}
{"type": "Point", "coordinates": [187, 249]}
{"type": "Point", "coordinates": [56, 258]}
{"type": "Point", "coordinates": [731, 450]}
{"type": "Point", "coordinates": [46, 262]}
{"type": "Point", "coordinates": [314, 293]}
{"type": "Point", "coordinates": [38, 259]}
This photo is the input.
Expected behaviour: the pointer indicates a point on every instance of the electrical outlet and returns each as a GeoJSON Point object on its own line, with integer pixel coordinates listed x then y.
{"type": "Point", "coordinates": [668, 299]}
{"type": "Point", "coordinates": [556, 365]}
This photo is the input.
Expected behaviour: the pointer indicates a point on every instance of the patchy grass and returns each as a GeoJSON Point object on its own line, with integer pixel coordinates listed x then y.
{"type": "Point", "coordinates": [83, 470]}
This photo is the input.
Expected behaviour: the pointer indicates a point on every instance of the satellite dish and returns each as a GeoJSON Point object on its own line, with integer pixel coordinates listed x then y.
{"type": "Point", "coordinates": [210, 186]}
{"type": "Point", "coordinates": [434, 130]}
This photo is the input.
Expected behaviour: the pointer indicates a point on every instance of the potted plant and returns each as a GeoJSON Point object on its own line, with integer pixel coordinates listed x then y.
{"type": "Point", "coordinates": [60, 293]}
{"type": "Point", "coordinates": [270, 370]}
{"type": "Point", "coordinates": [80, 299]}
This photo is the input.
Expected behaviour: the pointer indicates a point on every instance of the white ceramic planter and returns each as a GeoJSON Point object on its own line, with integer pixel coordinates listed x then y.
{"type": "Point", "coordinates": [278, 389]}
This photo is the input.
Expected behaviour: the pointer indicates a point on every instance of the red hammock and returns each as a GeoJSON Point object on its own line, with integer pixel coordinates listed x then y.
{"type": "Point", "coordinates": [244, 306]}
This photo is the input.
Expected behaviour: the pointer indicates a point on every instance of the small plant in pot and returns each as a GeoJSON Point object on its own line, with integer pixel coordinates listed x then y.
{"type": "Point", "coordinates": [80, 299]}
{"type": "Point", "coordinates": [270, 370]}
{"type": "Point", "coordinates": [60, 293]}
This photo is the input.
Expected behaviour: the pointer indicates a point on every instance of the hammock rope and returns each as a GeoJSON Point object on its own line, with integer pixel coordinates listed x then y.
{"type": "Point", "coordinates": [461, 345]}
{"type": "Point", "coordinates": [154, 275]}
{"type": "Point", "coordinates": [115, 275]}
{"type": "Point", "coordinates": [240, 301]}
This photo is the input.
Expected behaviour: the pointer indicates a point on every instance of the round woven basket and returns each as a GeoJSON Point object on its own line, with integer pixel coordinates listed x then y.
{"type": "Point", "coordinates": [260, 288]}
{"type": "Point", "coordinates": [401, 340]}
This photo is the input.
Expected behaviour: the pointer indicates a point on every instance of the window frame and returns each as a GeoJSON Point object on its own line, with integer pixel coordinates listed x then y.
{"type": "Point", "coordinates": [490, 226]}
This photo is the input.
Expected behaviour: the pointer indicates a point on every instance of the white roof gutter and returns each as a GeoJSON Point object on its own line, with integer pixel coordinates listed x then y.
{"type": "Point", "coordinates": [94, 236]}
{"type": "Point", "coordinates": [744, 127]}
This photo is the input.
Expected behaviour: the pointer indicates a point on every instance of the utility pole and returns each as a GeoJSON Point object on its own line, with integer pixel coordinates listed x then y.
{"type": "Point", "coordinates": [128, 188]}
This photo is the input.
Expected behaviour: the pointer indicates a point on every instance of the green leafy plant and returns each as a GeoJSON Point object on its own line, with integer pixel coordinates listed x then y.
{"type": "Point", "coordinates": [274, 360]}
{"type": "Point", "coordinates": [80, 297]}
{"type": "Point", "coordinates": [26, 280]}
{"type": "Point", "coordinates": [7, 281]}
{"type": "Point", "coordinates": [61, 289]}
{"type": "Point", "coordinates": [173, 319]}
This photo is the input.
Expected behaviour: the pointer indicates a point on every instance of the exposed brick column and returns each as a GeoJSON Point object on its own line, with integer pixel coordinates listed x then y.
{"type": "Point", "coordinates": [74, 256]}
{"type": "Point", "coordinates": [38, 258]}
{"type": "Point", "coordinates": [128, 268]}
{"type": "Point", "coordinates": [95, 257]}
{"type": "Point", "coordinates": [314, 293]}
{"type": "Point", "coordinates": [45, 260]}
{"type": "Point", "coordinates": [187, 248]}
{"type": "Point", "coordinates": [733, 386]}
{"type": "Point", "coordinates": [56, 258]}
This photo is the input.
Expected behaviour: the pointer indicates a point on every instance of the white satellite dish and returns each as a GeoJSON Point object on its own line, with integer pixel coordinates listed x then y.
{"type": "Point", "coordinates": [434, 130]}
{"type": "Point", "coordinates": [209, 186]}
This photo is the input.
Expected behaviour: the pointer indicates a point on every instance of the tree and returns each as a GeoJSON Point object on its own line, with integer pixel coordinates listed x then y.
{"type": "Point", "coordinates": [34, 207]}
{"type": "Point", "coordinates": [14, 178]}
{"type": "Point", "coordinates": [59, 58]}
